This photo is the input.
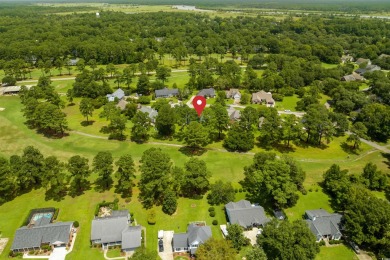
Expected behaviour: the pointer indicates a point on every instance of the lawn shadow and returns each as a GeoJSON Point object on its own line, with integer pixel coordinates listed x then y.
{"type": "Point", "coordinates": [157, 136]}
{"type": "Point", "coordinates": [71, 104]}
{"type": "Point", "coordinates": [87, 123]}
{"type": "Point", "coordinates": [51, 134]}
{"type": "Point", "coordinates": [283, 148]}
{"type": "Point", "coordinates": [387, 156]}
{"type": "Point", "coordinates": [190, 151]}
{"type": "Point", "coordinates": [303, 144]}
{"type": "Point", "coordinates": [348, 148]}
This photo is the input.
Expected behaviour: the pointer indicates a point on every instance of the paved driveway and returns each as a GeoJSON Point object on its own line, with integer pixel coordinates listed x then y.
{"type": "Point", "coordinates": [252, 235]}
{"type": "Point", "coordinates": [168, 253]}
{"type": "Point", "coordinates": [58, 253]}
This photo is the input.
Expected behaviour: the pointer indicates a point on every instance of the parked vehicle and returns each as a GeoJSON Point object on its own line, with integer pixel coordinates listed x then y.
{"type": "Point", "coordinates": [160, 245]}
{"type": "Point", "coordinates": [354, 247]}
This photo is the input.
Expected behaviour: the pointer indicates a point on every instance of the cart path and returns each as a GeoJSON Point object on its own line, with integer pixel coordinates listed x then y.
{"type": "Point", "coordinates": [307, 160]}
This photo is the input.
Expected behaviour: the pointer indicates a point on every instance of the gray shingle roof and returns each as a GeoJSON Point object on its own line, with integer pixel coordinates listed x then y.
{"type": "Point", "coordinates": [316, 213]}
{"type": "Point", "coordinates": [207, 92]}
{"type": "Point", "coordinates": [244, 214]}
{"type": "Point", "coordinates": [120, 213]}
{"type": "Point", "coordinates": [131, 237]}
{"type": "Point", "coordinates": [323, 223]}
{"type": "Point", "coordinates": [198, 233]}
{"type": "Point", "coordinates": [108, 229]}
{"type": "Point", "coordinates": [119, 93]}
{"type": "Point", "coordinates": [233, 113]}
{"type": "Point", "coordinates": [180, 240]}
{"type": "Point", "coordinates": [166, 92]}
{"type": "Point", "coordinates": [151, 112]}
{"type": "Point", "coordinates": [195, 233]}
{"type": "Point", "coordinates": [33, 237]}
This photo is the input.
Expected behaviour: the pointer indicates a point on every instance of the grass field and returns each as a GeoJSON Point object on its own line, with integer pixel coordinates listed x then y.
{"type": "Point", "coordinates": [227, 166]}
{"type": "Point", "coordinates": [337, 252]}
{"type": "Point", "coordinates": [287, 103]}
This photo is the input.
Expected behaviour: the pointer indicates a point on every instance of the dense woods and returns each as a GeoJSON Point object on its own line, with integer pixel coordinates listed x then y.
{"type": "Point", "coordinates": [285, 57]}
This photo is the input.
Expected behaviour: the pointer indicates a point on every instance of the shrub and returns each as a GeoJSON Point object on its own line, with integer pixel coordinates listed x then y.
{"type": "Point", "coordinates": [304, 191]}
{"type": "Point", "coordinates": [322, 243]}
{"type": "Point", "coordinates": [152, 217]}
{"type": "Point", "coordinates": [335, 242]}
{"type": "Point", "coordinates": [57, 210]}
{"type": "Point", "coordinates": [215, 222]}
{"type": "Point", "coordinates": [99, 102]}
{"type": "Point", "coordinates": [212, 214]}
{"type": "Point", "coordinates": [76, 224]}
{"type": "Point", "coordinates": [287, 91]}
{"type": "Point", "coordinates": [31, 252]}
{"type": "Point", "coordinates": [142, 238]}
{"type": "Point", "coordinates": [310, 189]}
{"type": "Point", "coordinates": [243, 190]}
{"type": "Point", "coordinates": [277, 96]}
{"type": "Point", "coordinates": [144, 100]}
{"type": "Point", "coordinates": [240, 190]}
{"type": "Point", "coordinates": [236, 190]}
{"type": "Point", "coordinates": [211, 209]}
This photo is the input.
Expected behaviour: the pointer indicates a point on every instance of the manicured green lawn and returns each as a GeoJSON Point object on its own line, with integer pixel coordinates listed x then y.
{"type": "Point", "coordinates": [328, 66]}
{"type": "Point", "coordinates": [314, 199]}
{"type": "Point", "coordinates": [222, 165]}
{"type": "Point", "coordinates": [288, 103]}
{"type": "Point", "coordinates": [341, 252]}
{"type": "Point", "coordinates": [114, 252]}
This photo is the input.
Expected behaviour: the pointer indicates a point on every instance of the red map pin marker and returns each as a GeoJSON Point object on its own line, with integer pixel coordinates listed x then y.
{"type": "Point", "coordinates": [199, 104]}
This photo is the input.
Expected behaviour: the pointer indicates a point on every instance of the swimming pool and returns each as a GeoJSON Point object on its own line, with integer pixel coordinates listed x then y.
{"type": "Point", "coordinates": [40, 219]}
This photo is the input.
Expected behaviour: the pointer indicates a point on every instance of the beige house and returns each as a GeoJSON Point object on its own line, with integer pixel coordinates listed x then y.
{"type": "Point", "coordinates": [263, 97]}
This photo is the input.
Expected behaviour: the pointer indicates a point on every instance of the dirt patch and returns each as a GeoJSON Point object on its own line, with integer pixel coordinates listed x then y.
{"type": "Point", "coordinates": [2, 108]}
{"type": "Point", "coordinates": [3, 243]}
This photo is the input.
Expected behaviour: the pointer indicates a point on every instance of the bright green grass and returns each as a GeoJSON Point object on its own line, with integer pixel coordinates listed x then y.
{"type": "Point", "coordinates": [328, 66]}
{"type": "Point", "coordinates": [114, 252]}
{"type": "Point", "coordinates": [324, 99]}
{"type": "Point", "coordinates": [314, 199]}
{"type": "Point", "coordinates": [288, 103]}
{"type": "Point", "coordinates": [222, 165]}
{"type": "Point", "coordinates": [341, 252]}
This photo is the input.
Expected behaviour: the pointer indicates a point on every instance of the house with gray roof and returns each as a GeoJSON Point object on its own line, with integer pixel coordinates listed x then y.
{"type": "Point", "coordinates": [10, 90]}
{"type": "Point", "coordinates": [196, 235]}
{"type": "Point", "coordinates": [150, 111]}
{"type": "Point", "coordinates": [323, 224]}
{"type": "Point", "coordinates": [207, 92]}
{"type": "Point", "coordinates": [131, 238]}
{"type": "Point", "coordinates": [115, 230]}
{"type": "Point", "coordinates": [29, 238]}
{"type": "Point", "coordinates": [166, 93]}
{"type": "Point", "coordinates": [368, 68]}
{"type": "Point", "coordinates": [245, 214]}
{"type": "Point", "coordinates": [234, 114]}
{"type": "Point", "coordinates": [73, 62]}
{"type": "Point", "coordinates": [119, 94]}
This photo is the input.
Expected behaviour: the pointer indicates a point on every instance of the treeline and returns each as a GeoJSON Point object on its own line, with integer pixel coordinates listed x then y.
{"type": "Point", "coordinates": [31, 170]}
{"type": "Point", "coordinates": [350, 193]}
{"type": "Point", "coordinates": [42, 108]}
{"type": "Point", "coordinates": [121, 38]}
{"type": "Point", "coordinates": [330, 5]}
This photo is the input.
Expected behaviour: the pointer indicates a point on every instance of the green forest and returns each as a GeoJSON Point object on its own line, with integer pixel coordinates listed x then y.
{"type": "Point", "coordinates": [322, 142]}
